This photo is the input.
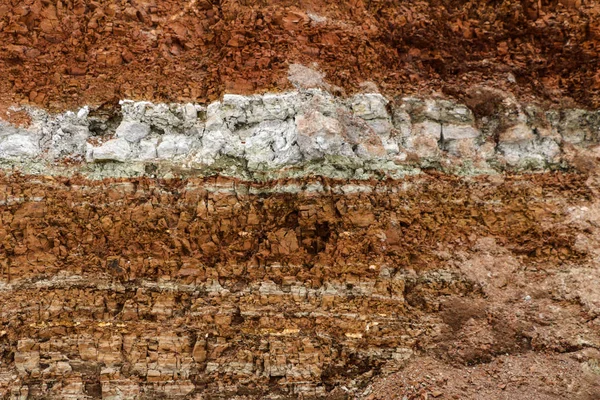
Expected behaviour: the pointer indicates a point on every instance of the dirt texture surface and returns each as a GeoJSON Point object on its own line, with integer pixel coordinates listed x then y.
{"type": "Point", "coordinates": [68, 53]}
{"type": "Point", "coordinates": [216, 288]}
{"type": "Point", "coordinates": [510, 377]}
{"type": "Point", "coordinates": [433, 286]}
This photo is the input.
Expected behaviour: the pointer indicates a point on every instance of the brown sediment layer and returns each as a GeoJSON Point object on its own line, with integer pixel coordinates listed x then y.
{"type": "Point", "coordinates": [220, 221]}
{"type": "Point", "coordinates": [516, 377]}
{"type": "Point", "coordinates": [64, 54]}
{"type": "Point", "coordinates": [217, 287]}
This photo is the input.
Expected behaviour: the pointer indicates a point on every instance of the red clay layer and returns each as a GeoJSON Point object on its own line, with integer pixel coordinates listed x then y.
{"type": "Point", "coordinates": [267, 295]}
{"type": "Point", "coordinates": [67, 53]}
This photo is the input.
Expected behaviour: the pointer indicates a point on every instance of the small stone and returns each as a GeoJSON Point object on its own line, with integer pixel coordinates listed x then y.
{"type": "Point", "coordinates": [173, 145]}
{"type": "Point", "coordinates": [113, 150]}
{"type": "Point", "coordinates": [17, 146]}
{"type": "Point", "coordinates": [132, 131]}
{"type": "Point", "coordinates": [77, 71]}
{"type": "Point", "coordinates": [148, 149]}
{"type": "Point", "coordinates": [190, 111]}
{"type": "Point", "coordinates": [83, 112]}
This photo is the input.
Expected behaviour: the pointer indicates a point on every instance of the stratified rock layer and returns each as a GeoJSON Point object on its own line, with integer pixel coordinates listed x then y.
{"type": "Point", "coordinates": [298, 199]}
{"type": "Point", "coordinates": [196, 288]}
{"type": "Point", "coordinates": [303, 133]}
{"type": "Point", "coordinates": [68, 53]}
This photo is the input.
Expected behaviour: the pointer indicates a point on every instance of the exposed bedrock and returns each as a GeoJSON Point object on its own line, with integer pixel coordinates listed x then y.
{"type": "Point", "coordinates": [305, 132]}
{"type": "Point", "coordinates": [220, 288]}
{"type": "Point", "coordinates": [277, 199]}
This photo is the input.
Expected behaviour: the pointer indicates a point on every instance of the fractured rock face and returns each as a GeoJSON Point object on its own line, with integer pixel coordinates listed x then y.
{"type": "Point", "coordinates": [70, 140]}
{"type": "Point", "coordinates": [298, 244]}
{"type": "Point", "coordinates": [518, 134]}
{"type": "Point", "coordinates": [273, 143]}
{"type": "Point", "coordinates": [113, 150]}
{"type": "Point", "coordinates": [580, 126]}
{"type": "Point", "coordinates": [18, 146]}
{"type": "Point", "coordinates": [319, 136]}
{"type": "Point", "coordinates": [171, 288]}
{"type": "Point", "coordinates": [132, 131]}
{"type": "Point", "coordinates": [168, 118]}
{"type": "Point", "coordinates": [424, 139]}
{"type": "Point", "coordinates": [372, 108]}
{"type": "Point", "coordinates": [148, 149]}
{"type": "Point", "coordinates": [267, 132]}
{"type": "Point", "coordinates": [369, 106]}
{"type": "Point", "coordinates": [461, 141]}
{"type": "Point", "coordinates": [173, 146]}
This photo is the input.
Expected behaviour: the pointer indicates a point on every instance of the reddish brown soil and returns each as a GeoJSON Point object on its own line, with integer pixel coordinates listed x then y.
{"type": "Point", "coordinates": [202, 286]}
{"type": "Point", "coordinates": [14, 117]}
{"type": "Point", "coordinates": [522, 377]}
{"type": "Point", "coordinates": [72, 52]}
{"type": "Point", "coordinates": [170, 222]}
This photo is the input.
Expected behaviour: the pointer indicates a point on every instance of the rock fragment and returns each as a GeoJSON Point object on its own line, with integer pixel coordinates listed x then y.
{"type": "Point", "coordinates": [18, 146]}
{"type": "Point", "coordinates": [113, 150]}
{"type": "Point", "coordinates": [132, 131]}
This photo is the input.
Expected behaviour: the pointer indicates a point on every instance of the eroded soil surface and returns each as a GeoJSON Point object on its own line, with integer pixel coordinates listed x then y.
{"type": "Point", "coordinates": [432, 286]}
{"type": "Point", "coordinates": [510, 377]}
{"type": "Point", "coordinates": [68, 53]}
{"type": "Point", "coordinates": [214, 288]}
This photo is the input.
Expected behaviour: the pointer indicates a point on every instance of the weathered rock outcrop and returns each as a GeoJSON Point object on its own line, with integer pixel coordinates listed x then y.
{"type": "Point", "coordinates": [143, 288]}
{"type": "Point", "coordinates": [223, 199]}
{"type": "Point", "coordinates": [278, 135]}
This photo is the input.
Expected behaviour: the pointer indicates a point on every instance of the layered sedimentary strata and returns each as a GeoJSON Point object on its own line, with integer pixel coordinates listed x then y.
{"type": "Point", "coordinates": [213, 287]}
{"type": "Point", "coordinates": [299, 199]}
{"type": "Point", "coordinates": [296, 244]}
{"type": "Point", "coordinates": [305, 132]}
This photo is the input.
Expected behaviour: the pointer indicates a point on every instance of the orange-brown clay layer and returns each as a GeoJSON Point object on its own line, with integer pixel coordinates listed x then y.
{"type": "Point", "coordinates": [66, 54]}
{"type": "Point", "coordinates": [215, 287]}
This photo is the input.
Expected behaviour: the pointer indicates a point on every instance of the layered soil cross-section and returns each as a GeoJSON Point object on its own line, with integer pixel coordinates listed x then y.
{"type": "Point", "coordinates": [220, 288]}
{"type": "Point", "coordinates": [222, 199]}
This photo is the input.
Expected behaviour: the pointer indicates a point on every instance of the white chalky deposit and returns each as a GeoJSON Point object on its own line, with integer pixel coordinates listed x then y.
{"type": "Point", "coordinates": [273, 131]}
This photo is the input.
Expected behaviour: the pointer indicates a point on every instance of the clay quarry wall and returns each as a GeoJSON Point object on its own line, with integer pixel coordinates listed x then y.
{"type": "Point", "coordinates": [226, 199]}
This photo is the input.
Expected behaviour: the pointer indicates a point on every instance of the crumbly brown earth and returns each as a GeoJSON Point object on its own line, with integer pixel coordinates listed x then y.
{"type": "Point", "coordinates": [68, 53]}
{"type": "Point", "coordinates": [214, 288]}
{"type": "Point", "coordinates": [511, 377]}
{"type": "Point", "coordinates": [433, 286]}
